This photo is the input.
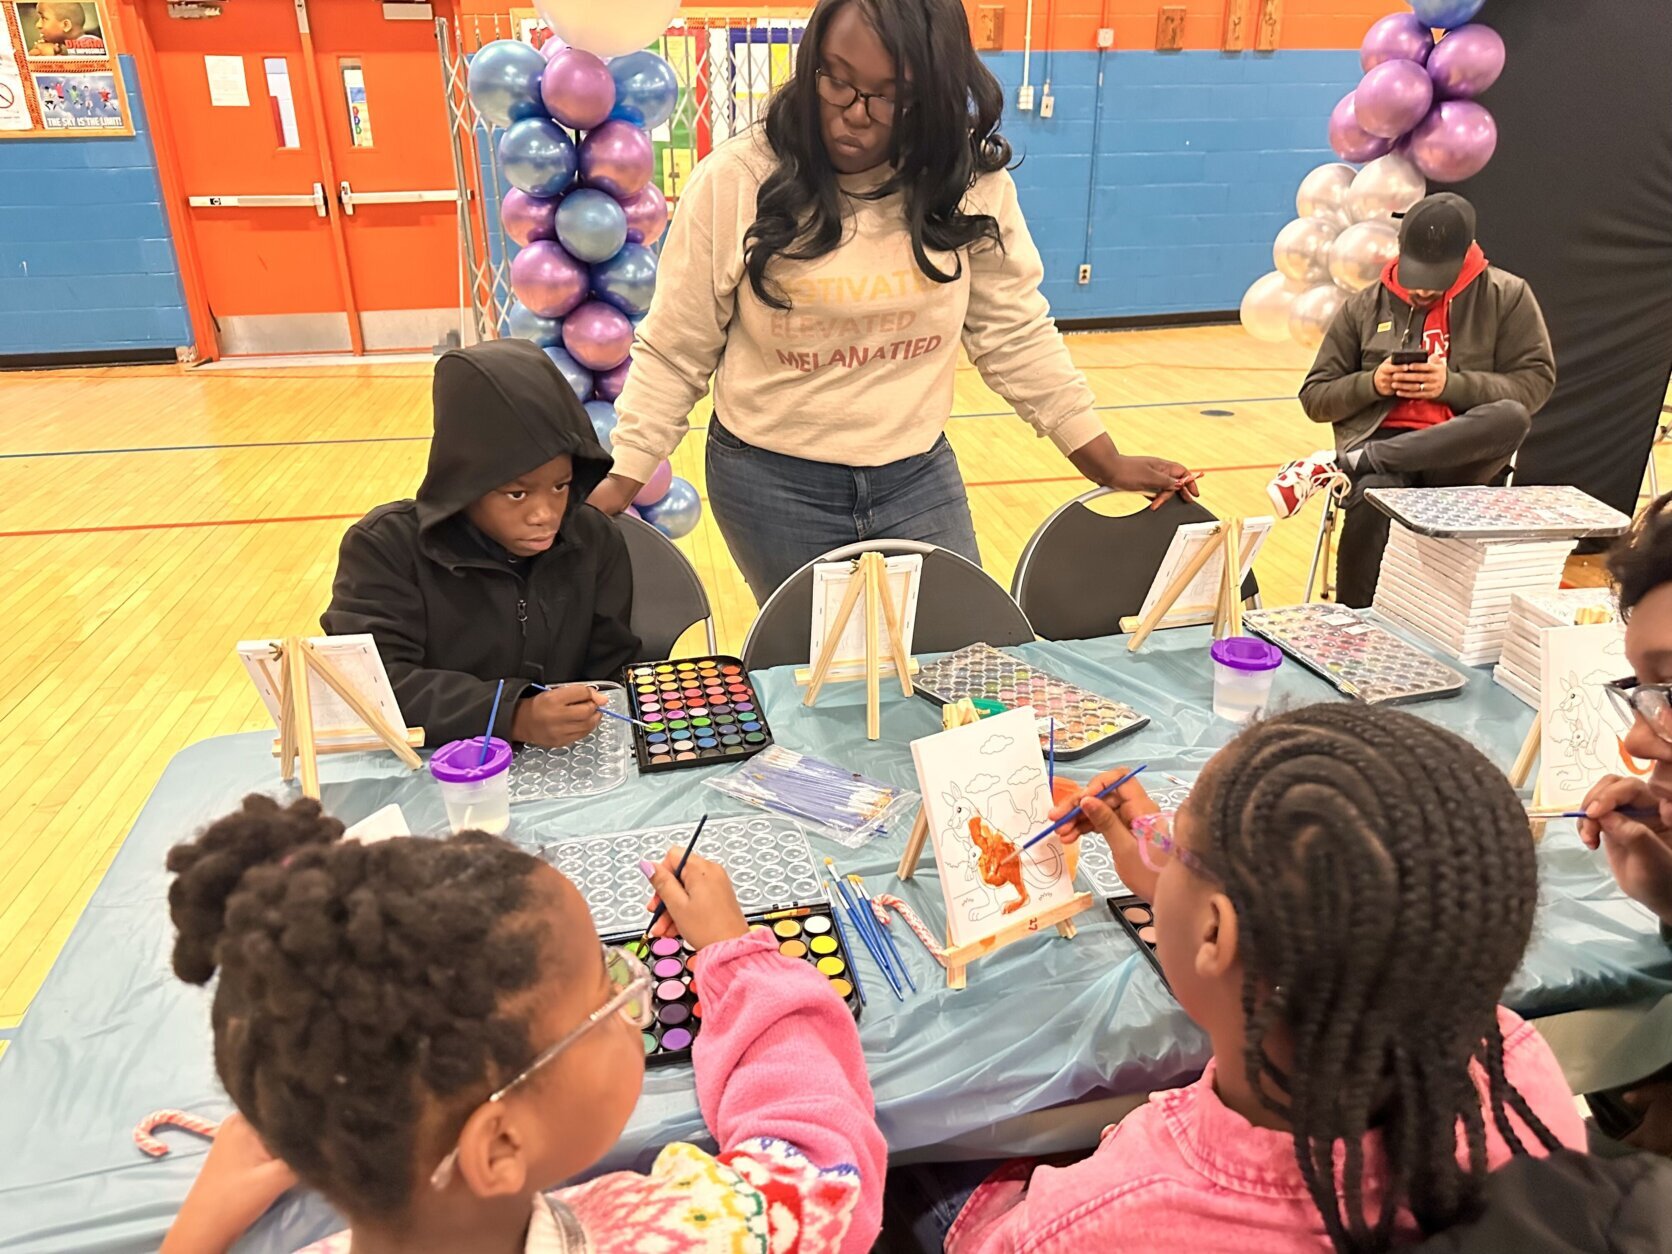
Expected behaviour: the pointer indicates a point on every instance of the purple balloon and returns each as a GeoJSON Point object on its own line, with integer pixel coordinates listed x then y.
{"type": "Point", "coordinates": [610, 382]}
{"type": "Point", "coordinates": [1392, 98]}
{"type": "Point", "coordinates": [577, 88]}
{"type": "Point", "coordinates": [656, 487]}
{"type": "Point", "coordinates": [1350, 140]}
{"type": "Point", "coordinates": [1466, 62]}
{"type": "Point", "coordinates": [1397, 37]}
{"type": "Point", "coordinates": [597, 335]}
{"type": "Point", "coordinates": [617, 158]}
{"type": "Point", "coordinates": [548, 280]}
{"type": "Point", "coordinates": [527, 218]}
{"type": "Point", "coordinates": [647, 215]}
{"type": "Point", "coordinates": [1455, 141]}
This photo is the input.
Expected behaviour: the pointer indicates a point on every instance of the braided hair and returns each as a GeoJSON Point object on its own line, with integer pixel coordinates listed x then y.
{"type": "Point", "coordinates": [360, 985]}
{"type": "Point", "coordinates": [1384, 880]}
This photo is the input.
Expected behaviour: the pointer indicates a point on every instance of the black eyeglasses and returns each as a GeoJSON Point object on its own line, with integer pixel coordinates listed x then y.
{"type": "Point", "coordinates": [840, 94]}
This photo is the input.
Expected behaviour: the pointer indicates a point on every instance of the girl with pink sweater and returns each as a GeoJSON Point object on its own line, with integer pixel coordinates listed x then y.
{"type": "Point", "coordinates": [430, 1034]}
{"type": "Point", "coordinates": [1339, 907]}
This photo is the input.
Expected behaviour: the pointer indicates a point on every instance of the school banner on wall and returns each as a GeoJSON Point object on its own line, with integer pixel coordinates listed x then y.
{"type": "Point", "coordinates": [59, 78]}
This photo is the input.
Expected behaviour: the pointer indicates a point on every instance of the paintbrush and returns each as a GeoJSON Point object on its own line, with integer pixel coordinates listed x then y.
{"type": "Point", "coordinates": [678, 871]}
{"type": "Point", "coordinates": [858, 921]}
{"type": "Point", "coordinates": [493, 715]}
{"type": "Point", "coordinates": [1076, 812]}
{"type": "Point", "coordinates": [887, 938]}
{"type": "Point", "coordinates": [1556, 812]}
{"type": "Point", "coordinates": [603, 709]}
{"type": "Point", "coordinates": [842, 935]}
{"type": "Point", "coordinates": [879, 940]}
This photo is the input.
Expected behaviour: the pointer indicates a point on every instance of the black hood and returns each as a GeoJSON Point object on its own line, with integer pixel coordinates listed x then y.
{"type": "Point", "coordinates": [502, 408]}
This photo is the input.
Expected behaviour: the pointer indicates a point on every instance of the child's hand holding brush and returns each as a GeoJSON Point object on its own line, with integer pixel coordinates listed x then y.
{"type": "Point", "coordinates": [701, 903]}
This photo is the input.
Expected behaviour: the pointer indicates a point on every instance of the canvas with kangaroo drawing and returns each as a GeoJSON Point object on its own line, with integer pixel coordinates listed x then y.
{"type": "Point", "coordinates": [985, 793]}
{"type": "Point", "coordinates": [1583, 735]}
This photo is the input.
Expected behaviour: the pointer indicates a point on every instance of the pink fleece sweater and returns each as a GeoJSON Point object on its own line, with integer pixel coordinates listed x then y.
{"type": "Point", "coordinates": [782, 1085]}
{"type": "Point", "coordinates": [1187, 1174]}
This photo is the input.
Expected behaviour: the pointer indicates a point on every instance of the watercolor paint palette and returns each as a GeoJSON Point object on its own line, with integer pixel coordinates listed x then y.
{"type": "Point", "coordinates": [767, 856]}
{"type": "Point", "coordinates": [1557, 512]}
{"type": "Point", "coordinates": [1137, 919]}
{"type": "Point", "coordinates": [1085, 721]}
{"type": "Point", "coordinates": [696, 712]}
{"type": "Point", "coordinates": [1360, 658]}
{"type": "Point", "coordinates": [806, 935]}
{"type": "Point", "coordinates": [596, 764]}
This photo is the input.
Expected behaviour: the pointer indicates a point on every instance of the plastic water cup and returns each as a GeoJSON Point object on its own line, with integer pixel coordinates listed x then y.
{"type": "Point", "coordinates": [1243, 669]}
{"type": "Point", "coordinates": [478, 796]}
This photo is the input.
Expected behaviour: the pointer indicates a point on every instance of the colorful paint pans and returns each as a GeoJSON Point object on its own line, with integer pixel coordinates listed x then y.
{"type": "Point", "coordinates": [1137, 919]}
{"type": "Point", "coordinates": [695, 712]}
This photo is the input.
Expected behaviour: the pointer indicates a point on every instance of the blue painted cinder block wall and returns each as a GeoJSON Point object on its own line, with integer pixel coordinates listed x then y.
{"type": "Point", "coordinates": [87, 263]}
{"type": "Point", "coordinates": [1199, 155]}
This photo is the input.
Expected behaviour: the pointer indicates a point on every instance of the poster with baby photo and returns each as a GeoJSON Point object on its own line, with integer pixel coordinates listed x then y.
{"type": "Point", "coordinates": [61, 29]}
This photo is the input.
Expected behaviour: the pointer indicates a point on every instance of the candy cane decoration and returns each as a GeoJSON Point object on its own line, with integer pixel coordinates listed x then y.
{"type": "Point", "coordinates": [912, 921]}
{"type": "Point", "coordinates": [170, 1119]}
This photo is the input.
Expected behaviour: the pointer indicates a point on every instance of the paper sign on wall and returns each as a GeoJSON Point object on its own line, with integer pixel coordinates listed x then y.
{"type": "Point", "coordinates": [228, 88]}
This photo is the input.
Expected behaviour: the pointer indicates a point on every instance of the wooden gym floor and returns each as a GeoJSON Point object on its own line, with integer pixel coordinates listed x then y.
{"type": "Point", "coordinates": [152, 517]}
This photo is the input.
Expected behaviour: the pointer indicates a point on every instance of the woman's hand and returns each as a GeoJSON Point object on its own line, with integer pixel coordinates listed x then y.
{"type": "Point", "coordinates": [1639, 844]}
{"type": "Point", "coordinates": [239, 1180]}
{"type": "Point", "coordinates": [1155, 477]}
{"type": "Point", "coordinates": [614, 494]}
{"type": "Point", "coordinates": [1111, 818]}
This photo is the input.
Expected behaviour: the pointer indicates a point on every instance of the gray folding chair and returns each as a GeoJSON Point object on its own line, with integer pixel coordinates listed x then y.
{"type": "Point", "coordinates": [958, 604]}
{"type": "Point", "coordinates": [667, 594]}
{"type": "Point", "coordinates": [1082, 571]}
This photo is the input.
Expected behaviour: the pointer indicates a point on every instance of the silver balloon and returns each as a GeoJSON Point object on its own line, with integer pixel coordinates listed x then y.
{"type": "Point", "coordinates": [1265, 307]}
{"type": "Point", "coordinates": [1301, 251]}
{"type": "Point", "coordinates": [1324, 190]}
{"type": "Point", "coordinates": [1388, 185]}
{"type": "Point", "coordinates": [1359, 253]}
{"type": "Point", "coordinates": [1311, 313]}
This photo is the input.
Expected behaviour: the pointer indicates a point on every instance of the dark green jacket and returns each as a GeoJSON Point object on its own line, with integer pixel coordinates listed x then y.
{"type": "Point", "coordinates": [1500, 350]}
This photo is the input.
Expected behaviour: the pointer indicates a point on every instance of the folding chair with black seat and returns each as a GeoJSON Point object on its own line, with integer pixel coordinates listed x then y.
{"type": "Point", "coordinates": [958, 604]}
{"type": "Point", "coordinates": [1082, 572]}
{"type": "Point", "coordinates": [668, 597]}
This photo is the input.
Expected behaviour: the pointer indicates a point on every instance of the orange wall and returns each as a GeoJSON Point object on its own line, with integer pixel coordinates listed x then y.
{"type": "Point", "coordinates": [1071, 25]}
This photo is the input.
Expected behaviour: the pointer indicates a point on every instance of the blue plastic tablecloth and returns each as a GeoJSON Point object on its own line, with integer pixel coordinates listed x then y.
{"type": "Point", "coordinates": [113, 1035]}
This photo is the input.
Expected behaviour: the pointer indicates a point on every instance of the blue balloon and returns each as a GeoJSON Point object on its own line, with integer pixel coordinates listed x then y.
{"type": "Point", "coordinates": [504, 81]}
{"type": "Point", "coordinates": [579, 377]}
{"type": "Point", "coordinates": [676, 514]}
{"type": "Point", "coordinates": [538, 156]}
{"type": "Point", "coordinates": [1446, 14]}
{"type": "Point", "coordinates": [627, 279]}
{"type": "Point", "coordinates": [604, 419]}
{"type": "Point", "coordinates": [646, 89]}
{"type": "Point", "coordinates": [591, 225]}
{"type": "Point", "coordinates": [524, 324]}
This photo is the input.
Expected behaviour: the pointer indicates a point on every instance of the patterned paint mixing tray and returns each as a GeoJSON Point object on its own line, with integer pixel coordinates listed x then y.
{"type": "Point", "coordinates": [1534, 512]}
{"type": "Point", "coordinates": [1097, 868]}
{"type": "Point", "coordinates": [767, 856]}
{"type": "Point", "coordinates": [596, 764]}
{"type": "Point", "coordinates": [1362, 659]}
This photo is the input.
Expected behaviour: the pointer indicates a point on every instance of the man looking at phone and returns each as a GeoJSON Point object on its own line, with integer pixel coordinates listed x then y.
{"type": "Point", "coordinates": [1430, 378]}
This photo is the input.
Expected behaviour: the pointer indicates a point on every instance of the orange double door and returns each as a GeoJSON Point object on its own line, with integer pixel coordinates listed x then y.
{"type": "Point", "coordinates": [311, 141]}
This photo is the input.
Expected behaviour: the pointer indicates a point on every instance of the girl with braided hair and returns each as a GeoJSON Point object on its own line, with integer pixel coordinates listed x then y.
{"type": "Point", "coordinates": [1339, 906]}
{"type": "Point", "coordinates": [430, 1034]}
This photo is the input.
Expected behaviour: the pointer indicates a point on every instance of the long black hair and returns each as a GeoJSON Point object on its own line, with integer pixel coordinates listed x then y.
{"type": "Point", "coordinates": [945, 137]}
{"type": "Point", "coordinates": [1384, 880]}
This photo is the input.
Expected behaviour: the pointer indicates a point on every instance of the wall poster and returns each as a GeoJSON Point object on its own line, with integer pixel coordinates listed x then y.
{"type": "Point", "coordinates": [59, 77]}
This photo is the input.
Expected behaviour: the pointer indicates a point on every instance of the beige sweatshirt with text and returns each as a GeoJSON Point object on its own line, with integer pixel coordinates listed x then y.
{"type": "Point", "coordinates": [859, 370]}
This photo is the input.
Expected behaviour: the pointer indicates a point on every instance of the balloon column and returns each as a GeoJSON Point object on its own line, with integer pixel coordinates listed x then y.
{"type": "Point", "coordinates": [583, 210]}
{"type": "Point", "coordinates": [1412, 118]}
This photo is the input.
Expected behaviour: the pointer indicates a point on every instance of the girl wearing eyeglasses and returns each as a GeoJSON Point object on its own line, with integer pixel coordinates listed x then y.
{"type": "Point", "coordinates": [824, 270]}
{"type": "Point", "coordinates": [1338, 906]}
{"type": "Point", "coordinates": [429, 1034]}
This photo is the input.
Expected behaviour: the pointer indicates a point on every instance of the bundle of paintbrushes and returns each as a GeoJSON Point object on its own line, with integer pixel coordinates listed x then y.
{"type": "Point", "coordinates": [850, 808]}
{"type": "Point", "coordinates": [857, 910]}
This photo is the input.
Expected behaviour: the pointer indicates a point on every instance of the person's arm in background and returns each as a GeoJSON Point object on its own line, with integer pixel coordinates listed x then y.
{"type": "Point", "coordinates": [680, 340]}
{"type": "Point", "coordinates": [612, 643]}
{"type": "Point", "coordinates": [1011, 337]}
{"type": "Point", "coordinates": [238, 1182]}
{"type": "Point", "coordinates": [1526, 364]}
{"type": "Point", "coordinates": [1337, 387]}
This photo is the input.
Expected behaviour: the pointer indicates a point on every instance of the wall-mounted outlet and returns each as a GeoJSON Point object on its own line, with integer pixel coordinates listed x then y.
{"type": "Point", "coordinates": [1047, 104]}
{"type": "Point", "coordinates": [1024, 98]}
{"type": "Point", "coordinates": [1169, 34]}
{"type": "Point", "coordinates": [989, 28]}
{"type": "Point", "coordinates": [1085, 275]}
{"type": "Point", "coordinates": [1106, 37]}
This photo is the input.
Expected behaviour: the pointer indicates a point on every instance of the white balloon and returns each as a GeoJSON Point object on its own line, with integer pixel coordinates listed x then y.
{"type": "Point", "coordinates": [1360, 252]}
{"type": "Point", "coordinates": [1311, 313]}
{"type": "Point", "coordinates": [608, 29]}
{"type": "Point", "coordinates": [1265, 307]}
{"type": "Point", "coordinates": [1301, 250]}
{"type": "Point", "coordinates": [1388, 185]}
{"type": "Point", "coordinates": [1323, 190]}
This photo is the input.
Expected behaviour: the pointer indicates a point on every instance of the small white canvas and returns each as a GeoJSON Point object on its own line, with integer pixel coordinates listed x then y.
{"type": "Point", "coordinates": [380, 825]}
{"type": "Point", "coordinates": [355, 657]}
{"type": "Point", "coordinates": [988, 778]}
{"type": "Point", "coordinates": [1581, 737]}
{"type": "Point", "coordinates": [1200, 598]}
{"type": "Point", "coordinates": [902, 577]}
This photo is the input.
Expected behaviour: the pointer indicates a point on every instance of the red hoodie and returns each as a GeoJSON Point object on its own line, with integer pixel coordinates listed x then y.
{"type": "Point", "coordinates": [1436, 339]}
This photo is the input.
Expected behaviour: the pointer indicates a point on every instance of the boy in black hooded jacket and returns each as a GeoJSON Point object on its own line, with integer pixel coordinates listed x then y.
{"type": "Point", "coordinates": [499, 569]}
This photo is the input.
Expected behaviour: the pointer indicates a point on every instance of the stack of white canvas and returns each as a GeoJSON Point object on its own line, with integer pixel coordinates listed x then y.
{"type": "Point", "coordinates": [1456, 593]}
{"type": "Point", "coordinates": [1530, 616]}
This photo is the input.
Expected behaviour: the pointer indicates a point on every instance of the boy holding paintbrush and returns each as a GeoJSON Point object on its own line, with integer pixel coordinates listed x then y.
{"type": "Point", "coordinates": [499, 570]}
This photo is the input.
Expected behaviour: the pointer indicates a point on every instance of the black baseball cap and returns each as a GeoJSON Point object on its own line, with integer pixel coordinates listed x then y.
{"type": "Point", "coordinates": [1434, 239]}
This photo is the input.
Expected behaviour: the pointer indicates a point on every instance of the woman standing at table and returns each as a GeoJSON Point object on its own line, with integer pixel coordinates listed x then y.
{"type": "Point", "coordinates": [824, 269]}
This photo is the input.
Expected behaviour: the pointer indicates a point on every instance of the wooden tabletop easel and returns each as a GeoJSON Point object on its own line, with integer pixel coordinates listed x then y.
{"type": "Point", "coordinates": [300, 740]}
{"type": "Point", "coordinates": [870, 582]}
{"type": "Point", "coordinates": [1227, 614]}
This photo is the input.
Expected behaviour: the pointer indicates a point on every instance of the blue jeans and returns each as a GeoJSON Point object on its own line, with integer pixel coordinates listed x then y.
{"type": "Point", "coordinates": [778, 513]}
